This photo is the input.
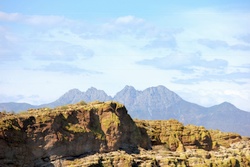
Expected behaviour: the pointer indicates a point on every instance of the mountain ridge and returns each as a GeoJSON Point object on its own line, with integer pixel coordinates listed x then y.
{"type": "Point", "coordinates": [158, 103]}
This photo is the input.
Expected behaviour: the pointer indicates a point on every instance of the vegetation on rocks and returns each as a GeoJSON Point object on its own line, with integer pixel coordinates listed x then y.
{"type": "Point", "coordinates": [103, 134]}
{"type": "Point", "coordinates": [40, 136]}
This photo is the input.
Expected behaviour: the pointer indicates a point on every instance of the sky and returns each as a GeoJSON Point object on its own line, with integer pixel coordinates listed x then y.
{"type": "Point", "coordinates": [198, 49]}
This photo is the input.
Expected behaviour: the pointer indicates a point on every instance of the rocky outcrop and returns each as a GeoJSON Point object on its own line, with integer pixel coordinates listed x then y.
{"type": "Point", "coordinates": [40, 137]}
{"type": "Point", "coordinates": [103, 134]}
{"type": "Point", "coordinates": [237, 155]}
{"type": "Point", "coordinates": [223, 138]}
{"type": "Point", "coordinates": [177, 137]}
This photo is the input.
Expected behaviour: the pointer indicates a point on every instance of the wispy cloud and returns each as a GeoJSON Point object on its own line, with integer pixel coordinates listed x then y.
{"type": "Point", "coordinates": [234, 77]}
{"type": "Point", "coordinates": [10, 16]}
{"type": "Point", "coordinates": [244, 38]}
{"type": "Point", "coordinates": [240, 47]}
{"type": "Point", "coordinates": [35, 20]}
{"type": "Point", "coordinates": [61, 51]}
{"type": "Point", "coordinates": [66, 69]}
{"type": "Point", "coordinates": [213, 44]}
{"type": "Point", "coordinates": [183, 62]}
{"type": "Point", "coordinates": [169, 42]}
{"type": "Point", "coordinates": [10, 47]}
{"type": "Point", "coordinates": [125, 25]}
{"type": "Point", "coordinates": [128, 20]}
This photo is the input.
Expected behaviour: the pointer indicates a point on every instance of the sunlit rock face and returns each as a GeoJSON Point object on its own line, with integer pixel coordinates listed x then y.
{"type": "Point", "coordinates": [41, 136]}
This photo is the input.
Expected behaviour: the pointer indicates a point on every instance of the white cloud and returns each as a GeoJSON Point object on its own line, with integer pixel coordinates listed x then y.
{"type": "Point", "coordinates": [10, 46]}
{"type": "Point", "coordinates": [240, 47]}
{"type": "Point", "coordinates": [44, 20]}
{"type": "Point", "coordinates": [40, 21]}
{"type": "Point", "coordinates": [169, 42]}
{"type": "Point", "coordinates": [213, 44]}
{"type": "Point", "coordinates": [244, 38]}
{"type": "Point", "coordinates": [183, 62]}
{"type": "Point", "coordinates": [60, 51]}
{"type": "Point", "coordinates": [129, 20]}
{"type": "Point", "coordinates": [205, 96]}
{"type": "Point", "coordinates": [66, 68]}
{"type": "Point", "coordinates": [10, 16]}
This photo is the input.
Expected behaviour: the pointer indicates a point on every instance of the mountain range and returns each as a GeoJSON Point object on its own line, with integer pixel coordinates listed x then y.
{"type": "Point", "coordinates": [157, 103]}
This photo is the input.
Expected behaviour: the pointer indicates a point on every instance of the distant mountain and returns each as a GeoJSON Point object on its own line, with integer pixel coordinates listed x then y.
{"type": "Point", "coordinates": [158, 103]}
{"type": "Point", "coordinates": [75, 95]}
{"type": "Point", "coordinates": [15, 107]}
{"type": "Point", "coordinates": [227, 117]}
{"type": "Point", "coordinates": [152, 103]}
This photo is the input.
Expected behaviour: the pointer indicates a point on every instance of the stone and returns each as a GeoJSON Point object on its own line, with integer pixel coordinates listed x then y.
{"type": "Point", "coordinates": [45, 135]}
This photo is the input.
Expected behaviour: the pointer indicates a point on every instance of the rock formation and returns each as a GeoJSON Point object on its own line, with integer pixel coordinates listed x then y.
{"type": "Point", "coordinates": [237, 155]}
{"type": "Point", "coordinates": [42, 136]}
{"type": "Point", "coordinates": [176, 137]}
{"type": "Point", "coordinates": [103, 134]}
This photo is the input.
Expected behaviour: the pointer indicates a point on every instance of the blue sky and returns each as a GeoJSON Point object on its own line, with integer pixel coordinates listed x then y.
{"type": "Point", "coordinates": [200, 50]}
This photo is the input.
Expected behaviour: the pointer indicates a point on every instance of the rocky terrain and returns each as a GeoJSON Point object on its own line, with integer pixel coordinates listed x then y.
{"type": "Point", "coordinates": [237, 155]}
{"type": "Point", "coordinates": [156, 103]}
{"type": "Point", "coordinates": [104, 134]}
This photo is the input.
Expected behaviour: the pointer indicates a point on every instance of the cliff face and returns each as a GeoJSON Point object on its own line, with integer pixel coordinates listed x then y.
{"type": "Point", "coordinates": [103, 134]}
{"type": "Point", "coordinates": [42, 136]}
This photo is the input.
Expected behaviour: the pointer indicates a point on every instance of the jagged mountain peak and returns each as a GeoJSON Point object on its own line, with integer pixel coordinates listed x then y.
{"type": "Point", "coordinates": [127, 95]}
{"type": "Point", "coordinates": [159, 88]}
{"type": "Point", "coordinates": [93, 94]}
{"type": "Point", "coordinates": [69, 97]}
{"type": "Point", "coordinates": [163, 93]}
{"type": "Point", "coordinates": [91, 89]}
{"type": "Point", "coordinates": [129, 88]}
{"type": "Point", "coordinates": [73, 91]}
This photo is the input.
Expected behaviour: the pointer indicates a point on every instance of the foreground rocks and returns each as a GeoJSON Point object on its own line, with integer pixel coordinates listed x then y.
{"type": "Point", "coordinates": [40, 137]}
{"type": "Point", "coordinates": [177, 137]}
{"type": "Point", "coordinates": [234, 156]}
{"type": "Point", "coordinates": [103, 134]}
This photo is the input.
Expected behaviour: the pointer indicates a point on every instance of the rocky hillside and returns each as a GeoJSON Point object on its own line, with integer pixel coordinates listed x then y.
{"type": "Point", "coordinates": [43, 136]}
{"type": "Point", "coordinates": [156, 103]}
{"type": "Point", "coordinates": [103, 134]}
{"type": "Point", "coordinates": [161, 157]}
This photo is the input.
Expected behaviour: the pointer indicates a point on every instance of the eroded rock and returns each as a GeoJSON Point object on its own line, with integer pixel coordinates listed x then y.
{"type": "Point", "coordinates": [42, 136]}
{"type": "Point", "coordinates": [103, 134]}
